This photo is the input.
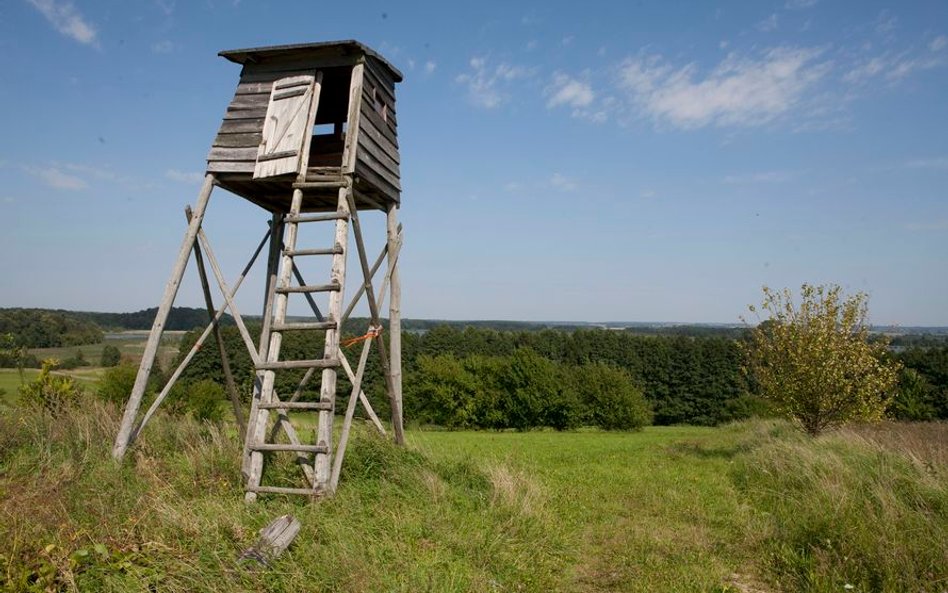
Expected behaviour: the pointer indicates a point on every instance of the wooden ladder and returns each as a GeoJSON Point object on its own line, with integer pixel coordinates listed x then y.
{"type": "Point", "coordinates": [315, 458]}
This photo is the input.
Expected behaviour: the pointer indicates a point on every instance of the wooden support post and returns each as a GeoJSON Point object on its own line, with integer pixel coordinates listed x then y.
{"type": "Point", "coordinates": [347, 422]}
{"type": "Point", "coordinates": [231, 304]}
{"type": "Point", "coordinates": [373, 307]}
{"type": "Point", "coordinates": [123, 438]}
{"type": "Point", "coordinates": [395, 324]}
{"type": "Point", "coordinates": [197, 345]}
{"type": "Point", "coordinates": [219, 338]}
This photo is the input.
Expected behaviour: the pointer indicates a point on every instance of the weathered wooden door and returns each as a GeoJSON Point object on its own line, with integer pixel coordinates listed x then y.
{"type": "Point", "coordinates": [286, 127]}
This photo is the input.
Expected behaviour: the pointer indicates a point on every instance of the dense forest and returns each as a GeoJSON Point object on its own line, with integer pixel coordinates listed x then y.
{"type": "Point", "coordinates": [464, 377]}
{"type": "Point", "coordinates": [42, 328]}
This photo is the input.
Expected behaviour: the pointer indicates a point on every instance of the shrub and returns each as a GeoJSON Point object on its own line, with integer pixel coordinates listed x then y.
{"type": "Point", "coordinates": [52, 392]}
{"type": "Point", "coordinates": [816, 362]}
{"type": "Point", "coordinates": [611, 399]}
{"type": "Point", "coordinates": [111, 356]}
{"type": "Point", "coordinates": [204, 400]}
{"type": "Point", "coordinates": [116, 383]}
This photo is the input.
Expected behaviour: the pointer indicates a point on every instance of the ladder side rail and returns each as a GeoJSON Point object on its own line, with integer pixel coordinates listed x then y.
{"type": "Point", "coordinates": [277, 228]}
{"type": "Point", "coordinates": [273, 354]}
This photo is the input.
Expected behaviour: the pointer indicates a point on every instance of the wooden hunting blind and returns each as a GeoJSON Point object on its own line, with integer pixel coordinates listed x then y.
{"type": "Point", "coordinates": [269, 125]}
{"type": "Point", "coordinates": [311, 137]}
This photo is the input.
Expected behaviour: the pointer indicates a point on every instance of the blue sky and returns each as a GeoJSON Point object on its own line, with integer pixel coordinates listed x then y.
{"type": "Point", "coordinates": [648, 161]}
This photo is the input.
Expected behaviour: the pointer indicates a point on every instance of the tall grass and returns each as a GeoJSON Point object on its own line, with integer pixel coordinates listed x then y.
{"type": "Point", "coordinates": [752, 507]}
{"type": "Point", "coordinates": [173, 517]}
{"type": "Point", "coordinates": [862, 509]}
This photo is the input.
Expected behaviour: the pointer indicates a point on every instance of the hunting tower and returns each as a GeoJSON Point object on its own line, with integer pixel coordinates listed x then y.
{"type": "Point", "coordinates": [311, 137]}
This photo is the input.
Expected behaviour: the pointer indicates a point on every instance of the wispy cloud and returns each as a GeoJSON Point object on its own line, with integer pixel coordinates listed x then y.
{"type": "Point", "coordinates": [886, 22]}
{"type": "Point", "coordinates": [759, 177]}
{"type": "Point", "coordinates": [939, 162]}
{"type": "Point", "coordinates": [568, 91]}
{"type": "Point", "coordinates": [165, 46]}
{"type": "Point", "coordinates": [563, 183]}
{"type": "Point", "coordinates": [938, 43]}
{"type": "Point", "coordinates": [430, 66]}
{"type": "Point", "coordinates": [893, 67]}
{"type": "Point", "coordinates": [56, 178]}
{"type": "Point", "coordinates": [768, 24]}
{"type": "Point", "coordinates": [486, 84]}
{"type": "Point", "coordinates": [799, 4]}
{"type": "Point", "coordinates": [739, 91]}
{"type": "Point", "coordinates": [65, 18]}
{"type": "Point", "coordinates": [184, 176]}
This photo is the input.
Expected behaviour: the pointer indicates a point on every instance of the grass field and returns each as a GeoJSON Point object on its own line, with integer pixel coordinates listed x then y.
{"type": "Point", "coordinates": [130, 343]}
{"type": "Point", "coordinates": [746, 508]}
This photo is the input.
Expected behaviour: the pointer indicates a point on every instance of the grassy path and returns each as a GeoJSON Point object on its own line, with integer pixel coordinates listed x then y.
{"type": "Point", "coordinates": [638, 512]}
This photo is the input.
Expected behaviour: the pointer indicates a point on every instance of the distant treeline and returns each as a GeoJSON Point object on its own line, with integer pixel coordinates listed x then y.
{"type": "Point", "coordinates": [55, 328]}
{"type": "Point", "coordinates": [42, 328]}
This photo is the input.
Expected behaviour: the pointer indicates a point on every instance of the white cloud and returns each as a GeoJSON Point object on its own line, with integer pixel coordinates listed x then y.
{"type": "Point", "coordinates": [64, 17]}
{"type": "Point", "coordinates": [760, 177]}
{"type": "Point", "coordinates": [531, 45]}
{"type": "Point", "coordinates": [562, 183]}
{"type": "Point", "coordinates": [893, 67]}
{"type": "Point", "coordinates": [648, 193]}
{"type": "Point", "coordinates": [768, 24]}
{"type": "Point", "coordinates": [938, 43]}
{"type": "Point", "coordinates": [430, 66]}
{"type": "Point", "coordinates": [940, 162]}
{"type": "Point", "coordinates": [568, 40]}
{"type": "Point", "coordinates": [569, 91]}
{"type": "Point", "coordinates": [886, 22]}
{"type": "Point", "coordinates": [799, 4]}
{"type": "Point", "coordinates": [165, 46]}
{"type": "Point", "coordinates": [184, 176]}
{"type": "Point", "coordinates": [739, 91]}
{"type": "Point", "coordinates": [485, 83]}
{"type": "Point", "coordinates": [55, 178]}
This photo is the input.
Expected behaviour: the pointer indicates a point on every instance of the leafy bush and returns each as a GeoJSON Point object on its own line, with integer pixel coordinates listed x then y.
{"type": "Point", "coordinates": [611, 399]}
{"type": "Point", "coordinates": [816, 362]}
{"type": "Point", "coordinates": [116, 384]}
{"type": "Point", "coordinates": [204, 399]}
{"type": "Point", "coordinates": [111, 356]}
{"type": "Point", "coordinates": [54, 393]}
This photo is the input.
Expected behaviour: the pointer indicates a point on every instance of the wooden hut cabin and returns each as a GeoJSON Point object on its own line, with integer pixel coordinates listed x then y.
{"type": "Point", "coordinates": [310, 115]}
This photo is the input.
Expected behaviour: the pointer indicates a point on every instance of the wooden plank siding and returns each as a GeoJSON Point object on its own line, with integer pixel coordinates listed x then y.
{"type": "Point", "coordinates": [377, 160]}
{"type": "Point", "coordinates": [234, 149]}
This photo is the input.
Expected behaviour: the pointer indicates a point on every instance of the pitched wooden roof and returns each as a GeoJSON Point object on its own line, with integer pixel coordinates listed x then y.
{"type": "Point", "coordinates": [298, 50]}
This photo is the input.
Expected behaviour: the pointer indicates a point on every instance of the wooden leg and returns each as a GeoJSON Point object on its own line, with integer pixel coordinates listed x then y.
{"type": "Point", "coordinates": [124, 437]}
{"type": "Point", "coordinates": [395, 327]}
{"type": "Point", "coordinates": [219, 338]}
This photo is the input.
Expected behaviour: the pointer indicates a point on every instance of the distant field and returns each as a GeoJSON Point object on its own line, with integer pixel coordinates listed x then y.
{"type": "Point", "coordinates": [87, 377]}
{"type": "Point", "coordinates": [131, 344]}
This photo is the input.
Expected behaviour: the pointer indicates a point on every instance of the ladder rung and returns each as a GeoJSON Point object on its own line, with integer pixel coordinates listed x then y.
{"type": "Point", "coordinates": [322, 363]}
{"type": "Point", "coordinates": [291, 448]}
{"type": "Point", "coordinates": [328, 184]}
{"type": "Point", "coordinates": [284, 490]}
{"type": "Point", "coordinates": [296, 406]}
{"type": "Point", "coordinates": [331, 251]}
{"type": "Point", "coordinates": [309, 288]}
{"type": "Point", "coordinates": [315, 217]}
{"type": "Point", "coordinates": [282, 327]}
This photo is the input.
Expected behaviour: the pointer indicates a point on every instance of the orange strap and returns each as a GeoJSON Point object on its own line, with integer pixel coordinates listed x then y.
{"type": "Point", "coordinates": [373, 332]}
